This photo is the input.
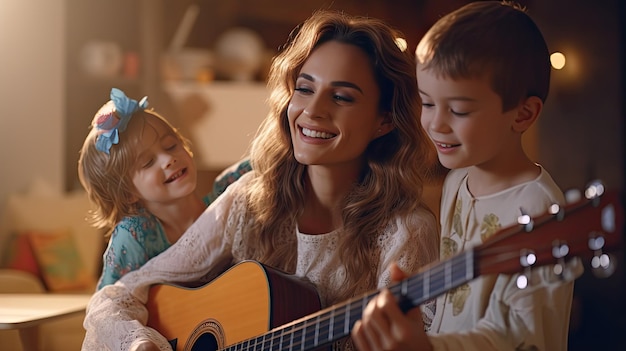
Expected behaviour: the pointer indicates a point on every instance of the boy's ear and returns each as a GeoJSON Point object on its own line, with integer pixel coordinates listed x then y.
{"type": "Point", "coordinates": [527, 113]}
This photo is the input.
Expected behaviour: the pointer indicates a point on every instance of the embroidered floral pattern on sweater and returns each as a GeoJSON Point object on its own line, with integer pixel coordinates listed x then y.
{"type": "Point", "coordinates": [457, 298]}
{"type": "Point", "coordinates": [449, 247]}
{"type": "Point", "coordinates": [457, 222]}
{"type": "Point", "coordinates": [489, 226]}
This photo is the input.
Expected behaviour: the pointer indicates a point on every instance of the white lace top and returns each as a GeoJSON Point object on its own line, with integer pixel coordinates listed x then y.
{"type": "Point", "coordinates": [116, 315]}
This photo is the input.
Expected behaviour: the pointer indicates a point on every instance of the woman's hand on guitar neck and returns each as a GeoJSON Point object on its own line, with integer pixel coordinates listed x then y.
{"type": "Point", "coordinates": [384, 326]}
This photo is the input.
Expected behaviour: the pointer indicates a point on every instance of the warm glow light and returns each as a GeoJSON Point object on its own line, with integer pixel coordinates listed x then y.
{"type": "Point", "coordinates": [401, 42]}
{"type": "Point", "coordinates": [558, 60]}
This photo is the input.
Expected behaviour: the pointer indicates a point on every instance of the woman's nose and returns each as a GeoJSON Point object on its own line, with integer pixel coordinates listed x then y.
{"type": "Point", "coordinates": [316, 107]}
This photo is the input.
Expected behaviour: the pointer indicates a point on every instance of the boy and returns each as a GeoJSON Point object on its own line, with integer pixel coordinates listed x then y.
{"type": "Point", "coordinates": [483, 73]}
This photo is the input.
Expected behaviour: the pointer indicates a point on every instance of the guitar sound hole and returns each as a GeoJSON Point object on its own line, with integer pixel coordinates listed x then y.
{"type": "Point", "coordinates": [206, 342]}
{"type": "Point", "coordinates": [207, 336]}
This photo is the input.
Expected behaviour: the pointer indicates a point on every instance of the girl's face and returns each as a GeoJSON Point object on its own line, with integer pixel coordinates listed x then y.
{"type": "Point", "coordinates": [164, 170]}
{"type": "Point", "coordinates": [333, 113]}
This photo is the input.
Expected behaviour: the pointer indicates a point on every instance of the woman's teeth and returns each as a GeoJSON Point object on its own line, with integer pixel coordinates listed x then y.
{"type": "Point", "coordinates": [315, 134]}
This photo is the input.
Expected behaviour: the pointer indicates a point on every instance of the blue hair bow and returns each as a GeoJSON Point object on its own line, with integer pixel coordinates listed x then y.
{"type": "Point", "coordinates": [111, 122]}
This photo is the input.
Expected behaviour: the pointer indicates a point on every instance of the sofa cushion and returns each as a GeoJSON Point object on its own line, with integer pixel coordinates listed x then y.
{"type": "Point", "coordinates": [53, 212]}
{"type": "Point", "coordinates": [59, 261]}
{"type": "Point", "coordinates": [18, 254]}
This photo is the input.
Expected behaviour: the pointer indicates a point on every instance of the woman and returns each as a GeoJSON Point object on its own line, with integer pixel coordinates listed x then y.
{"type": "Point", "coordinates": [335, 191]}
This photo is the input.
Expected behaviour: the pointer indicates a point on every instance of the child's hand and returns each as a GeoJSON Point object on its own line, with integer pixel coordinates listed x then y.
{"type": "Point", "coordinates": [384, 326]}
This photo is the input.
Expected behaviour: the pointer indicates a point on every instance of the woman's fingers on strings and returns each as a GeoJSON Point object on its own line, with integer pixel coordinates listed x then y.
{"type": "Point", "coordinates": [396, 273]}
{"type": "Point", "coordinates": [415, 314]}
{"type": "Point", "coordinates": [369, 334]}
{"type": "Point", "coordinates": [384, 325]}
{"type": "Point", "coordinates": [359, 338]}
{"type": "Point", "coordinates": [406, 330]}
{"type": "Point", "coordinates": [398, 327]}
{"type": "Point", "coordinates": [374, 331]}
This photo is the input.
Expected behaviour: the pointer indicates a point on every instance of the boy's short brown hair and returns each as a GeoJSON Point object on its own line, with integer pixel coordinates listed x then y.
{"type": "Point", "coordinates": [492, 39]}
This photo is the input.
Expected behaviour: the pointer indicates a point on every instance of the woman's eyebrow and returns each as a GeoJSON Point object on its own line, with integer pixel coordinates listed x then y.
{"type": "Point", "coordinates": [342, 83]}
{"type": "Point", "coordinates": [339, 83]}
{"type": "Point", "coordinates": [306, 76]}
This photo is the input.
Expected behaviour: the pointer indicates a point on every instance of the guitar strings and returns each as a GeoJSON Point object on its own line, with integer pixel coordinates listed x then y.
{"type": "Point", "coordinates": [334, 323]}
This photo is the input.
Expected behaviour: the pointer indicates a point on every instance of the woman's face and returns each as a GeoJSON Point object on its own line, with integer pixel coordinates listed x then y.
{"type": "Point", "coordinates": [333, 113]}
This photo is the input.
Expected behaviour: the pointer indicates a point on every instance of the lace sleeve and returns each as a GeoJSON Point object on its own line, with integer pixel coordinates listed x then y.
{"type": "Point", "coordinates": [116, 315]}
{"type": "Point", "coordinates": [413, 244]}
{"type": "Point", "coordinates": [107, 330]}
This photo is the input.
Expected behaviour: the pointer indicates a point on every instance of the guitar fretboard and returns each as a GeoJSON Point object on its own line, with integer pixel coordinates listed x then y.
{"type": "Point", "coordinates": [335, 322]}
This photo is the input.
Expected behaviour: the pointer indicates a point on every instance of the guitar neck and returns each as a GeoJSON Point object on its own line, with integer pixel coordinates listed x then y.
{"type": "Point", "coordinates": [336, 322]}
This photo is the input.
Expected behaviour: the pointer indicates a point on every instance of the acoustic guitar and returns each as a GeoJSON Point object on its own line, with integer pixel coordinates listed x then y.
{"type": "Point", "coordinates": [254, 307]}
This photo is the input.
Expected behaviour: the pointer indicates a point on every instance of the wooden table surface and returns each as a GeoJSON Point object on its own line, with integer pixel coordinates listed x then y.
{"type": "Point", "coordinates": [27, 310]}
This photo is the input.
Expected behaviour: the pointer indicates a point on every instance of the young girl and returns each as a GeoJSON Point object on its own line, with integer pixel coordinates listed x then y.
{"type": "Point", "coordinates": [139, 172]}
{"type": "Point", "coordinates": [335, 194]}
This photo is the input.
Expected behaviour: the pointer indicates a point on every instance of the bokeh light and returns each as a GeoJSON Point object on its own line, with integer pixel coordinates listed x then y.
{"type": "Point", "coordinates": [557, 60]}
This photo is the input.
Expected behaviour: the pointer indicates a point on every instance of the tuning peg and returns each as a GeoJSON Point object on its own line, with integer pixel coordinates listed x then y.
{"type": "Point", "coordinates": [559, 251]}
{"type": "Point", "coordinates": [525, 220]}
{"type": "Point", "coordinates": [602, 264]}
{"type": "Point", "coordinates": [527, 259]}
{"type": "Point", "coordinates": [557, 211]}
{"type": "Point", "coordinates": [594, 190]}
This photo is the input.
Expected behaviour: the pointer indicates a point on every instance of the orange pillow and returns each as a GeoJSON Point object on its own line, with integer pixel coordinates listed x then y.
{"type": "Point", "coordinates": [19, 255]}
{"type": "Point", "coordinates": [59, 261]}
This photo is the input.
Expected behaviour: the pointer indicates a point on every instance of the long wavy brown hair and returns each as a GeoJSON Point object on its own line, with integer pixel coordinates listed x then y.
{"type": "Point", "coordinates": [391, 182]}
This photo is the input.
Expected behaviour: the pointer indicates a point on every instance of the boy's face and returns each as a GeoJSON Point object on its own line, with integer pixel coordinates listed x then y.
{"type": "Point", "coordinates": [464, 119]}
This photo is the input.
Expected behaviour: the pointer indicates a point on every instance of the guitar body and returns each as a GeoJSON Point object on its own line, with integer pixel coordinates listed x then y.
{"type": "Point", "coordinates": [247, 300]}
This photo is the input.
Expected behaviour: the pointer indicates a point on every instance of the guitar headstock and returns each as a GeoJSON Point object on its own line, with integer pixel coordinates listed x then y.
{"type": "Point", "coordinates": [588, 228]}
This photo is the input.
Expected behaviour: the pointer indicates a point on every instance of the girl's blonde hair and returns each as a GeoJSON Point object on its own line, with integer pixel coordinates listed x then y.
{"type": "Point", "coordinates": [391, 182]}
{"type": "Point", "coordinates": [107, 178]}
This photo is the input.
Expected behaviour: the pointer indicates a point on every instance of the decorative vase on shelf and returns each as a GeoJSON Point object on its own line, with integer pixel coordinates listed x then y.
{"type": "Point", "coordinates": [102, 59]}
{"type": "Point", "coordinates": [239, 54]}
